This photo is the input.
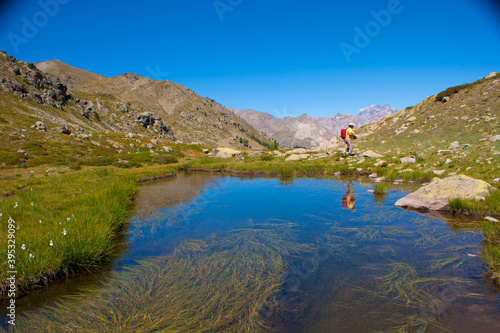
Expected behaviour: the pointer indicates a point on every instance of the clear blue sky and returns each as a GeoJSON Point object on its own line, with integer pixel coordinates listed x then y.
{"type": "Point", "coordinates": [284, 57]}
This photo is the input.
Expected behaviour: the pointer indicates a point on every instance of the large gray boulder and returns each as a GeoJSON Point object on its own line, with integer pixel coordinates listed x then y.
{"type": "Point", "coordinates": [437, 194]}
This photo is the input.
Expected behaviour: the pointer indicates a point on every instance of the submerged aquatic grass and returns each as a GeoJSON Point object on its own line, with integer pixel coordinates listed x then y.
{"type": "Point", "coordinates": [211, 285]}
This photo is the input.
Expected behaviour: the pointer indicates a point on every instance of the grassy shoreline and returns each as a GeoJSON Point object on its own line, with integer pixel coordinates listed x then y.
{"type": "Point", "coordinates": [82, 212]}
{"type": "Point", "coordinates": [68, 223]}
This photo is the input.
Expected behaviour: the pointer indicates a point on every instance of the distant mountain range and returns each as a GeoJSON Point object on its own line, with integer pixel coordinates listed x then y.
{"type": "Point", "coordinates": [307, 131]}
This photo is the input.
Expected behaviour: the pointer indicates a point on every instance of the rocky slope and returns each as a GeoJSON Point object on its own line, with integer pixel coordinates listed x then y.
{"type": "Point", "coordinates": [60, 95]}
{"type": "Point", "coordinates": [307, 131]}
{"type": "Point", "coordinates": [455, 131]}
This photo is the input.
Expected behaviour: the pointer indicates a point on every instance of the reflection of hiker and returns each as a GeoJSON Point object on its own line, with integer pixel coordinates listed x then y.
{"type": "Point", "coordinates": [348, 199]}
{"type": "Point", "coordinates": [349, 136]}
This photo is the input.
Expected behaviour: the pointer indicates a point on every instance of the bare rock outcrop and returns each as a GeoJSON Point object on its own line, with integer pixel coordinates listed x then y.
{"type": "Point", "coordinates": [225, 153]}
{"type": "Point", "coordinates": [150, 120]}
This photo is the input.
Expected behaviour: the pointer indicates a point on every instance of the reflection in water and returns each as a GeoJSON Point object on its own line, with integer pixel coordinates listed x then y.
{"type": "Point", "coordinates": [348, 199]}
{"type": "Point", "coordinates": [155, 197]}
{"type": "Point", "coordinates": [226, 254]}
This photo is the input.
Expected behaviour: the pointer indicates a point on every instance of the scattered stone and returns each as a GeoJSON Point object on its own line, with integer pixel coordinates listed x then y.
{"type": "Point", "coordinates": [320, 156]}
{"type": "Point", "coordinates": [454, 145]}
{"type": "Point", "coordinates": [154, 141]}
{"type": "Point", "coordinates": [63, 129]}
{"type": "Point", "coordinates": [298, 151]}
{"type": "Point", "coordinates": [491, 219]}
{"type": "Point", "coordinates": [168, 149]}
{"type": "Point", "coordinates": [39, 126]}
{"type": "Point", "coordinates": [296, 157]}
{"type": "Point", "coordinates": [206, 151]}
{"type": "Point", "coordinates": [338, 173]}
{"type": "Point", "coordinates": [314, 150]}
{"type": "Point", "coordinates": [408, 160]}
{"type": "Point", "coordinates": [130, 135]}
{"type": "Point", "coordinates": [257, 153]}
{"type": "Point", "coordinates": [380, 163]}
{"type": "Point", "coordinates": [82, 136]}
{"type": "Point", "coordinates": [405, 170]}
{"type": "Point", "coordinates": [370, 191]}
{"type": "Point", "coordinates": [495, 138]}
{"type": "Point", "coordinates": [379, 179]}
{"type": "Point", "coordinates": [438, 172]}
{"type": "Point", "coordinates": [445, 99]}
{"type": "Point", "coordinates": [496, 180]}
{"type": "Point", "coordinates": [371, 154]}
{"type": "Point", "coordinates": [150, 146]}
{"type": "Point", "coordinates": [437, 194]}
{"type": "Point", "coordinates": [373, 175]}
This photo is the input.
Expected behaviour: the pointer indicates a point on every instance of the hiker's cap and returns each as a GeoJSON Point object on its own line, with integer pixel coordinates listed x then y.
{"type": "Point", "coordinates": [351, 125]}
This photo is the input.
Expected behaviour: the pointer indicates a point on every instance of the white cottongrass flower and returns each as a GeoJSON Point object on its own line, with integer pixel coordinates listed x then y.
{"type": "Point", "coordinates": [18, 227]}
{"type": "Point", "coordinates": [1, 214]}
{"type": "Point", "coordinates": [64, 232]}
{"type": "Point", "coordinates": [16, 205]}
{"type": "Point", "coordinates": [32, 203]}
{"type": "Point", "coordinates": [51, 243]}
{"type": "Point", "coordinates": [23, 247]}
{"type": "Point", "coordinates": [40, 221]}
{"type": "Point", "coordinates": [68, 218]}
{"type": "Point", "coordinates": [32, 256]}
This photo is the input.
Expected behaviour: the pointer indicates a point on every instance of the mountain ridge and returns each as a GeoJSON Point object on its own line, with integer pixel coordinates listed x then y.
{"type": "Point", "coordinates": [120, 101]}
{"type": "Point", "coordinates": [66, 109]}
{"type": "Point", "coordinates": [308, 131]}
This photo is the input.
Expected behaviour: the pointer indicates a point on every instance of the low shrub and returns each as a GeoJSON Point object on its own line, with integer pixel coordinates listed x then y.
{"type": "Point", "coordinates": [162, 160]}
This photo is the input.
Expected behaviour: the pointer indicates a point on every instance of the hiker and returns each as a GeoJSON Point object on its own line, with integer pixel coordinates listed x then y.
{"type": "Point", "coordinates": [350, 135]}
{"type": "Point", "coordinates": [348, 199]}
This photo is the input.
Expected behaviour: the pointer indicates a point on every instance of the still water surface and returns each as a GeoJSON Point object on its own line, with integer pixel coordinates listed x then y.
{"type": "Point", "coordinates": [220, 253]}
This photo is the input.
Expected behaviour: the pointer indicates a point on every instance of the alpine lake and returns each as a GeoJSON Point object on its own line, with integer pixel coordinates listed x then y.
{"type": "Point", "coordinates": [212, 253]}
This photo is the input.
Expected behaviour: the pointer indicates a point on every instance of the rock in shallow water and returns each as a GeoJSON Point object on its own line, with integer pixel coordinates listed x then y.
{"type": "Point", "coordinates": [437, 194]}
